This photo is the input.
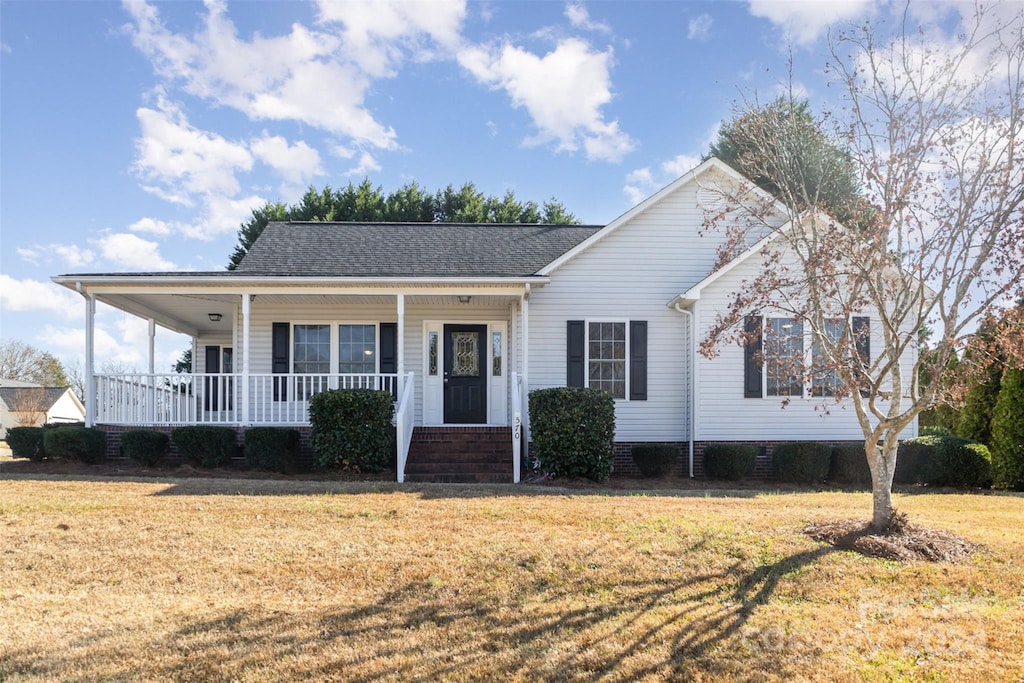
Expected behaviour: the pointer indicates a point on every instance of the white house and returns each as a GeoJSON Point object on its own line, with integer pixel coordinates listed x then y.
{"type": "Point", "coordinates": [23, 404]}
{"type": "Point", "coordinates": [460, 322]}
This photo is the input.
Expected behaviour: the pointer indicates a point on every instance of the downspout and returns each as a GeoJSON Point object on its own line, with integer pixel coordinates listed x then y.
{"type": "Point", "coordinates": [693, 388]}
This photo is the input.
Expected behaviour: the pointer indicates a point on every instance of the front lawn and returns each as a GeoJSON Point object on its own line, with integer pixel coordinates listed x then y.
{"type": "Point", "coordinates": [264, 580]}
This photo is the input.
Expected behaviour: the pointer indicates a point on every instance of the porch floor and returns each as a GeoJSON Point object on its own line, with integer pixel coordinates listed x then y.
{"type": "Point", "coordinates": [455, 455]}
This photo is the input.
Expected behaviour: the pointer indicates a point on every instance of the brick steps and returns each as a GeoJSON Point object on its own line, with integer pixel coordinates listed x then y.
{"type": "Point", "coordinates": [460, 455]}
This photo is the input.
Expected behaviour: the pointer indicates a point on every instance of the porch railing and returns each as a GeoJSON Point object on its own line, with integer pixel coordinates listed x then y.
{"type": "Point", "coordinates": [216, 398]}
{"type": "Point", "coordinates": [404, 425]}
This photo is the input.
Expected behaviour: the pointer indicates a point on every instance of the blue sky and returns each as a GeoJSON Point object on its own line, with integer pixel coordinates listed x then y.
{"type": "Point", "coordinates": [138, 136]}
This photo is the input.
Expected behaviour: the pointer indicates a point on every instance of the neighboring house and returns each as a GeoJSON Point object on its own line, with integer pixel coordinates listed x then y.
{"type": "Point", "coordinates": [460, 322]}
{"type": "Point", "coordinates": [23, 404]}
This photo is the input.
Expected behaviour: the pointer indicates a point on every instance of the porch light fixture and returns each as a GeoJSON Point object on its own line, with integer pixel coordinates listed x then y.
{"type": "Point", "coordinates": [464, 299]}
{"type": "Point", "coordinates": [215, 317]}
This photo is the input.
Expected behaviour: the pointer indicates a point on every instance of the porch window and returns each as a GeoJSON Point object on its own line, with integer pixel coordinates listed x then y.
{"type": "Point", "coordinates": [357, 349]}
{"type": "Point", "coordinates": [784, 356]}
{"type": "Point", "coordinates": [312, 349]}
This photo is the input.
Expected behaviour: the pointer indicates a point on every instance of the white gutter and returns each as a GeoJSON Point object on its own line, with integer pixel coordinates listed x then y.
{"type": "Point", "coordinates": [693, 388]}
{"type": "Point", "coordinates": [71, 281]}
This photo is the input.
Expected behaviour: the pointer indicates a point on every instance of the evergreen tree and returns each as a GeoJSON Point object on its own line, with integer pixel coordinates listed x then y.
{"type": "Point", "coordinates": [1008, 432]}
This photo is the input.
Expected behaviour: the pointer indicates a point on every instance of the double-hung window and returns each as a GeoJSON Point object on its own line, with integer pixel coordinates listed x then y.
{"type": "Point", "coordinates": [825, 379]}
{"type": "Point", "coordinates": [608, 355]}
{"type": "Point", "coordinates": [784, 356]}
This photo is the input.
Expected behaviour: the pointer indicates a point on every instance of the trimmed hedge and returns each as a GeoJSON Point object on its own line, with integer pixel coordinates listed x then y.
{"type": "Point", "coordinates": [272, 448]}
{"type": "Point", "coordinates": [655, 459]}
{"type": "Point", "coordinates": [144, 446]}
{"type": "Point", "coordinates": [943, 461]}
{"type": "Point", "coordinates": [76, 443]}
{"type": "Point", "coordinates": [850, 466]}
{"type": "Point", "coordinates": [352, 428]}
{"type": "Point", "coordinates": [573, 431]}
{"type": "Point", "coordinates": [801, 462]}
{"type": "Point", "coordinates": [204, 445]}
{"type": "Point", "coordinates": [1008, 431]}
{"type": "Point", "coordinates": [730, 461]}
{"type": "Point", "coordinates": [26, 442]}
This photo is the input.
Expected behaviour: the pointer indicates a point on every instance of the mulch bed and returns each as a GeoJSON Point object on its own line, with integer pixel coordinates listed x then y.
{"type": "Point", "coordinates": [909, 543]}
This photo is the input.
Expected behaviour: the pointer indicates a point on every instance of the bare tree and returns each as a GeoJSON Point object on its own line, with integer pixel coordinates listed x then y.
{"type": "Point", "coordinates": [934, 239]}
{"type": "Point", "coordinates": [25, 362]}
{"type": "Point", "coordinates": [28, 405]}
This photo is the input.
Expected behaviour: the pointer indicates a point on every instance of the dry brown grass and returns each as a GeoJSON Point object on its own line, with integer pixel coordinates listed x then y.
{"type": "Point", "coordinates": [230, 579]}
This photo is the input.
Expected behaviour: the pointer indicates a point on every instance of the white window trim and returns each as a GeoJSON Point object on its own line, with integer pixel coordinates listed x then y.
{"type": "Point", "coordinates": [586, 353]}
{"type": "Point", "coordinates": [764, 363]}
{"type": "Point", "coordinates": [335, 340]}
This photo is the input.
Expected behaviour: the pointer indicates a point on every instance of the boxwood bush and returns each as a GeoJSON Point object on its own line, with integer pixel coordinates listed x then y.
{"type": "Point", "coordinates": [730, 461]}
{"type": "Point", "coordinates": [655, 459]}
{"type": "Point", "coordinates": [801, 462]}
{"type": "Point", "coordinates": [272, 448]}
{"type": "Point", "coordinates": [204, 445]}
{"type": "Point", "coordinates": [26, 442]}
{"type": "Point", "coordinates": [943, 461]}
{"type": "Point", "coordinates": [75, 443]}
{"type": "Point", "coordinates": [144, 446]}
{"type": "Point", "coordinates": [352, 428]}
{"type": "Point", "coordinates": [850, 466]}
{"type": "Point", "coordinates": [573, 431]}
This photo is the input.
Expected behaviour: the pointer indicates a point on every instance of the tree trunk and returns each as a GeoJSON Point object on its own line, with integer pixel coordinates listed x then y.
{"type": "Point", "coordinates": [881, 483]}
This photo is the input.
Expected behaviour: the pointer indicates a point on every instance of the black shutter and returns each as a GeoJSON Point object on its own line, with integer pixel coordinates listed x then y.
{"type": "Point", "coordinates": [752, 357]}
{"type": "Point", "coordinates": [279, 358]}
{"type": "Point", "coordinates": [638, 360]}
{"type": "Point", "coordinates": [575, 357]}
{"type": "Point", "coordinates": [862, 338]}
{"type": "Point", "coordinates": [389, 347]}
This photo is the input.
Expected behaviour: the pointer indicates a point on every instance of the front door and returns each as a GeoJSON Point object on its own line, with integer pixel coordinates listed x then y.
{"type": "Point", "coordinates": [465, 377]}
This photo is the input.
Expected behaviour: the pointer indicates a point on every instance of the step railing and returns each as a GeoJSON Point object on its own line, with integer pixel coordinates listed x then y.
{"type": "Point", "coordinates": [404, 424]}
{"type": "Point", "coordinates": [517, 426]}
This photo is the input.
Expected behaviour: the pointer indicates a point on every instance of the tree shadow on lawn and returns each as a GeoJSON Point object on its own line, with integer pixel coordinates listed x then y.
{"type": "Point", "coordinates": [424, 630]}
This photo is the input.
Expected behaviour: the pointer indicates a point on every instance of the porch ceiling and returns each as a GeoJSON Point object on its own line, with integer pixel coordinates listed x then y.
{"type": "Point", "coordinates": [190, 313]}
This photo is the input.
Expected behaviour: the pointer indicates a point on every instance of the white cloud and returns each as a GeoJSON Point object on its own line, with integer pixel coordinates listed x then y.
{"type": "Point", "coordinates": [367, 164]}
{"type": "Point", "coordinates": [377, 33]}
{"type": "Point", "coordinates": [185, 160]}
{"type": "Point", "coordinates": [154, 226]}
{"type": "Point", "coordinates": [33, 295]}
{"type": "Point", "coordinates": [70, 255]}
{"type": "Point", "coordinates": [699, 28]}
{"type": "Point", "coordinates": [563, 91]}
{"type": "Point", "coordinates": [642, 182]}
{"type": "Point", "coordinates": [132, 252]}
{"type": "Point", "coordinates": [804, 21]}
{"type": "Point", "coordinates": [297, 163]}
{"type": "Point", "coordinates": [580, 18]}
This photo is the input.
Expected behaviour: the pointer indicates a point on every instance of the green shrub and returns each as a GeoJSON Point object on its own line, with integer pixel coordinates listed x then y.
{"type": "Point", "coordinates": [850, 466]}
{"type": "Point", "coordinates": [915, 460]}
{"type": "Point", "coordinates": [26, 442]}
{"type": "Point", "coordinates": [943, 461]}
{"type": "Point", "coordinates": [801, 462]}
{"type": "Point", "coordinates": [205, 446]}
{"type": "Point", "coordinates": [730, 461]}
{"type": "Point", "coordinates": [144, 446]}
{"type": "Point", "coordinates": [934, 430]}
{"type": "Point", "coordinates": [76, 443]}
{"type": "Point", "coordinates": [655, 459]}
{"type": "Point", "coordinates": [573, 431]}
{"type": "Point", "coordinates": [272, 448]}
{"type": "Point", "coordinates": [1008, 432]}
{"type": "Point", "coordinates": [352, 428]}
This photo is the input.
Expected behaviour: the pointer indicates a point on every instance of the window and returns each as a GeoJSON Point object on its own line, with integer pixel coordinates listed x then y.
{"type": "Point", "coordinates": [825, 379]}
{"type": "Point", "coordinates": [432, 354]}
{"type": "Point", "coordinates": [606, 360]}
{"type": "Point", "coordinates": [610, 356]}
{"type": "Point", "coordinates": [496, 354]}
{"type": "Point", "coordinates": [784, 356]}
{"type": "Point", "coordinates": [357, 349]}
{"type": "Point", "coordinates": [312, 349]}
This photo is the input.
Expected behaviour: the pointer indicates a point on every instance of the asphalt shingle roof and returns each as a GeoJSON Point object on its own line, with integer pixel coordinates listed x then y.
{"type": "Point", "coordinates": [409, 249]}
{"type": "Point", "coordinates": [31, 398]}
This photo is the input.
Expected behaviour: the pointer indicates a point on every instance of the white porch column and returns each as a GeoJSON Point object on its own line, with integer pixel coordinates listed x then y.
{"type": "Point", "coordinates": [151, 410]}
{"type": "Point", "coordinates": [90, 347]}
{"type": "Point", "coordinates": [400, 342]}
{"type": "Point", "coordinates": [245, 358]}
{"type": "Point", "coordinates": [525, 341]}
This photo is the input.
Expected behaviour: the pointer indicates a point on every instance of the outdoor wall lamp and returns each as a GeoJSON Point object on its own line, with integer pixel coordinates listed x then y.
{"type": "Point", "coordinates": [464, 299]}
{"type": "Point", "coordinates": [215, 317]}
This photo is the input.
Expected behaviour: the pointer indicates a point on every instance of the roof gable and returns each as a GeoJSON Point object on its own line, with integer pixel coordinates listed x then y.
{"type": "Point", "coordinates": [31, 398]}
{"type": "Point", "coordinates": [409, 249]}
